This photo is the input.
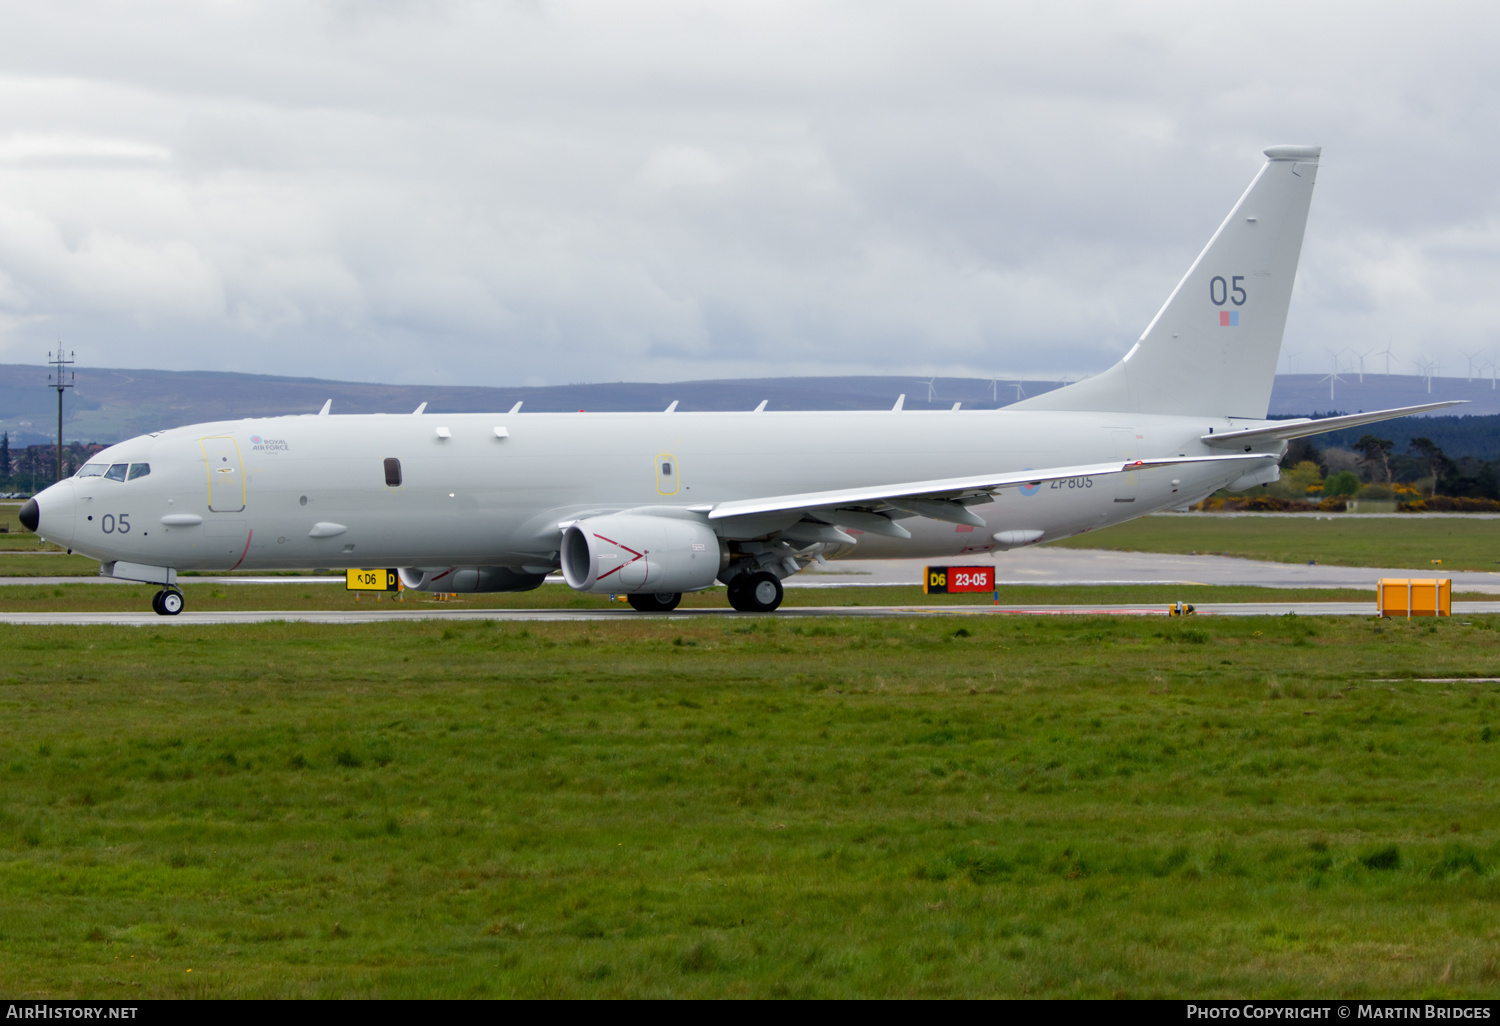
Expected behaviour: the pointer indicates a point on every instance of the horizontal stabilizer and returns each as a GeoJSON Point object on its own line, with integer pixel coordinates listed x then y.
{"type": "Point", "coordinates": [926, 495]}
{"type": "Point", "coordinates": [1303, 427]}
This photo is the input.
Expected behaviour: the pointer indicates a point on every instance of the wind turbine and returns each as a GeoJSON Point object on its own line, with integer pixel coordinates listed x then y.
{"type": "Point", "coordinates": [1386, 352]}
{"type": "Point", "coordinates": [1361, 358]}
{"type": "Point", "coordinates": [1291, 362]}
{"type": "Point", "coordinates": [995, 389]}
{"type": "Point", "coordinates": [1470, 357]}
{"type": "Point", "coordinates": [1427, 367]}
{"type": "Point", "coordinates": [1333, 377]}
{"type": "Point", "coordinates": [1020, 392]}
{"type": "Point", "coordinates": [929, 383]}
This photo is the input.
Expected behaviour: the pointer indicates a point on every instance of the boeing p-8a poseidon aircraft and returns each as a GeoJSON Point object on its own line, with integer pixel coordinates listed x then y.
{"type": "Point", "coordinates": [656, 504]}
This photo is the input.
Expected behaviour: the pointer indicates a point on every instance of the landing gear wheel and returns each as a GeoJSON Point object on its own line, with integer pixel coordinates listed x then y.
{"type": "Point", "coordinates": [167, 603]}
{"type": "Point", "coordinates": [658, 602]}
{"type": "Point", "coordinates": [755, 593]}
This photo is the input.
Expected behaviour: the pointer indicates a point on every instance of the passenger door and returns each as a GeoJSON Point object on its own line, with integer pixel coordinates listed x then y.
{"type": "Point", "coordinates": [226, 474]}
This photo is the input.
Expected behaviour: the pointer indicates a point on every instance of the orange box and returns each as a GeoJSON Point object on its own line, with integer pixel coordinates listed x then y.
{"type": "Point", "coordinates": [1408, 597]}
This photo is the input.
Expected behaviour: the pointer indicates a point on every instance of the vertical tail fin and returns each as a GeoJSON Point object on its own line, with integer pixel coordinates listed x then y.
{"type": "Point", "coordinates": [1212, 348]}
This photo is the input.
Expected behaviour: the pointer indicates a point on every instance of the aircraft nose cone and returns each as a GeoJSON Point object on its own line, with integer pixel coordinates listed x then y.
{"type": "Point", "coordinates": [30, 515]}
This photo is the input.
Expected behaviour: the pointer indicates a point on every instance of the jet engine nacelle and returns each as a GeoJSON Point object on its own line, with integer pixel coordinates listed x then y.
{"type": "Point", "coordinates": [467, 579]}
{"type": "Point", "coordinates": [634, 552]}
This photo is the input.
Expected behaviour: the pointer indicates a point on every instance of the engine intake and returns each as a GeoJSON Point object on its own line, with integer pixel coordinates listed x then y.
{"type": "Point", "coordinates": [466, 579]}
{"type": "Point", "coordinates": [629, 553]}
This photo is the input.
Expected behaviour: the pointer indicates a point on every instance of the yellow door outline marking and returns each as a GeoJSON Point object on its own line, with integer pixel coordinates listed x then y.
{"type": "Point", "coordinates": [209, 470]}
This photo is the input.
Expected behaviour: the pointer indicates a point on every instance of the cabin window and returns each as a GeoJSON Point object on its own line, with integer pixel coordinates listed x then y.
{"type": "Point", "coordinates": [93, 470]}
{"type": "Point", "coordinates": [116, 472]}
{"type": "Point", "coordinates": [666, 470]}
{"type": "Point", "coordinates": [138, 470]}
{"type": "Point", "coordinates": [393, 473]}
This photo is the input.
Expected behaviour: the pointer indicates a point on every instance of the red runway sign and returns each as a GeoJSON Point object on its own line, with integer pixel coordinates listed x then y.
{"type": "Point", "coordinates": [946, 580]}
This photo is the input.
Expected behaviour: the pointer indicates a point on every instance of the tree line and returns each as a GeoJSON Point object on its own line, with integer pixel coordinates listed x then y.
{"type": "Point", "coordinates": [1416, 476]}
{"type": "Point", "coordinates": [31, 468]}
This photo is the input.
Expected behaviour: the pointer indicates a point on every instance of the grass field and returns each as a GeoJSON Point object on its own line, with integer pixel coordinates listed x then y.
{"type": "Point", "coordinates": [89, 597]}
{"type": "Point", "coordinates": [1092, 806]}
{"type": "Point", "coordinates": [47, 565]}
{"type": "Point", "coordinates": [1462, 543]}
{"type": "Point", "coordinates": [15, 537]}
{"type": "Point", "coordinates": [27, 542]}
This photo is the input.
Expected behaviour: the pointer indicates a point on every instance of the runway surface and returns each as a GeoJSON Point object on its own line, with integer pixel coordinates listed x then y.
{"type": "Point", "coordinates": [358, 616]}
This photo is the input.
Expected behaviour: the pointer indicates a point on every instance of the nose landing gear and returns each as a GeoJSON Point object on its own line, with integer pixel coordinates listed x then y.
{"type": "Point", "coordinates": [167, 602]}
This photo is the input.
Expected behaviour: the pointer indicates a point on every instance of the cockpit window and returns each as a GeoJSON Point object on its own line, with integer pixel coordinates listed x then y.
{"type": "Point", "coordinates": [139, 470]}
{"type": "Point", "coordinates": [116, 472]}
{"type": "Point", "coordinates": [93, 469]}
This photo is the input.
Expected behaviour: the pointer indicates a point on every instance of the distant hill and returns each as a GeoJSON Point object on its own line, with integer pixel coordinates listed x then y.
{"type": "Point", "coordinates": [1299, 394]}
{"type": "Point", "coordinates": [110, 404]}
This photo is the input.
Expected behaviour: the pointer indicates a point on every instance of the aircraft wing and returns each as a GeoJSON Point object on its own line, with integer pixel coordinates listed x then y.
{"type": "Point", "coordinates": [1302, 427]}
{"type": "Point", "coordinates": [946, 498]}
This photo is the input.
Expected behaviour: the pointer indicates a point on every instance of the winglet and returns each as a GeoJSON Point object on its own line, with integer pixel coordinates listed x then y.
{"type": "Point", "coordinates": [418, 411]}
{"type": "Point", "coordinates": [900, 402]}
{"type": "Point", "coordinates": [673, 407]}
{"type": "Point", "coordinates": [326, 407]}
{"type": "Point", "coordinates": [762, 407]}
{"type": "Point", "coordinates": [517, 408]}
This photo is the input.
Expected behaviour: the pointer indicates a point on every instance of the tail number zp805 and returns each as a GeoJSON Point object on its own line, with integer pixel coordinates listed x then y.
{"type": "Point", "coordinates": [1074, 482]}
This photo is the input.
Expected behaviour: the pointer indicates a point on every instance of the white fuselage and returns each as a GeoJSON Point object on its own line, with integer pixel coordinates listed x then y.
{"type": "Point", "coordinates": [492, 489]}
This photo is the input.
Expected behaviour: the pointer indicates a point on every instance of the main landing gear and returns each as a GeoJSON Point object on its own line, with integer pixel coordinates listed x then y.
{"type": "Point", "coordinates": [759, 592]}
{"type": "Point", "coordinates": [655, 602]}
{"type": "Point", "coordinates": [167, 602]}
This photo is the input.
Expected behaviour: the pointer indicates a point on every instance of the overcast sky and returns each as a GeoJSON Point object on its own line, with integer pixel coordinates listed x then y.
{"type": "Point", "coordinates": [549, 192]}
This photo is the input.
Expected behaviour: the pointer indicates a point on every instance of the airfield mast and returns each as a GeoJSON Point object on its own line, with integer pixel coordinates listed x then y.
{"type": "Point", "coordinates": [61, 379]}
